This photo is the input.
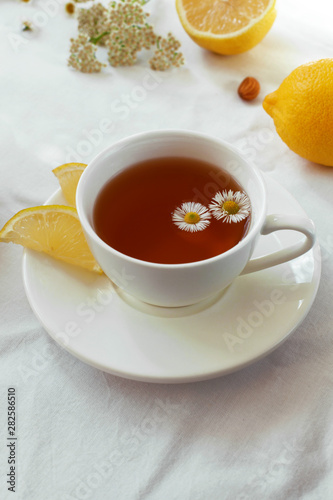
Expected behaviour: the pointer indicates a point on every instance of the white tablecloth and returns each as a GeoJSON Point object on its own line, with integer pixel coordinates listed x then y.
{"type": "Point", "coordinates": [264, 432]}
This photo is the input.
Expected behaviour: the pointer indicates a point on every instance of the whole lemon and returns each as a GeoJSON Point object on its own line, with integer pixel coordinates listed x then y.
{"type": "Point", "coordinates": [302, 110]}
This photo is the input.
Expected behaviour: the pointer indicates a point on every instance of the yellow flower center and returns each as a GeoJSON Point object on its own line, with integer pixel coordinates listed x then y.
{"type": "Point", "coordinates": [192, 218]}
{"type": "Point", "coordinates": [231, 207]}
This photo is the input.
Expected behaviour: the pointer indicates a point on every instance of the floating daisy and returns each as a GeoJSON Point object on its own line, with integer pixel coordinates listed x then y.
{"type": "Point", "coordinates": [230, 206]}
{"type": "Point", "coordinates": [191, 217]}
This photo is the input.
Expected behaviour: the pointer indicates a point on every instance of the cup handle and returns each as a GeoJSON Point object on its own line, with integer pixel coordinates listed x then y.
{"type": "Point", "coordinates": [276, 223]}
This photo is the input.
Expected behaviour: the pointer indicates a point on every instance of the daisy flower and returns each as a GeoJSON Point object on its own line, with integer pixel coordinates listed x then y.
{"type": "Point", "coordinates": [191, 217]}
{"type": "Point", "coordinates": [230, 206]}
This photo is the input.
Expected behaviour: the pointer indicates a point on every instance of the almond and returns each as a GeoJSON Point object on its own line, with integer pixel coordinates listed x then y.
{"type": "Point", "coordinates": [249, 88]}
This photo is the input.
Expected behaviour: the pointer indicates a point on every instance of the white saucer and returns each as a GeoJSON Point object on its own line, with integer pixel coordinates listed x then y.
{"type": "Point", "coordinates": [94, 321]}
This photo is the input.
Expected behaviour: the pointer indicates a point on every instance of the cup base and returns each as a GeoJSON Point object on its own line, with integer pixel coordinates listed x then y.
{"type": "Point", "coordinates": [169, 312]}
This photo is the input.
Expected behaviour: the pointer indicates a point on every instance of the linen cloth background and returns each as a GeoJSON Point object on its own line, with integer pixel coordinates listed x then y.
{"type": "Point", "coordinates": [263, 432]}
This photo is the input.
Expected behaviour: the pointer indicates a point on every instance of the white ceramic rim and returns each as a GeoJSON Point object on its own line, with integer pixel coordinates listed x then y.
{"type": "Point", "coordinates": [84, 180]}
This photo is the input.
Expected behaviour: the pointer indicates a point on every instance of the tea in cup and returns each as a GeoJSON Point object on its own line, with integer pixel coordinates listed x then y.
{"type": "Point", "coordinates": [163, 211]}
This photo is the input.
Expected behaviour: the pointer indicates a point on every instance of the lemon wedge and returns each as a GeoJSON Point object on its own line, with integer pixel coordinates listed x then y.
{"type": "Point", "coordinates": [54, 230]}
{"type": "Point", "coordinates": [68, 176]}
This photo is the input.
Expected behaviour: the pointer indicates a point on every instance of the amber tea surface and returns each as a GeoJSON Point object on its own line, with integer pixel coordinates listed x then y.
{"type": "Point", "coordinates": [134, 211]}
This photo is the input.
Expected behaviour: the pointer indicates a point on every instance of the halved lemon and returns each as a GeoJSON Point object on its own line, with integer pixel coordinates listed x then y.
{"type": "Point", "coordinates": [68, 176]}
{"type": "Point", "coordinates": [52, 229]}
{"type": "Point", "coordinates": [226, 26]}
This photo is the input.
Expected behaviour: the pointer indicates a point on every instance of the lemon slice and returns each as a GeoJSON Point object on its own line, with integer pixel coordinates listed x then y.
{"type": "Point", "coordinates": [226, 27]}
{"type": "Point", "coordinates": [68, 176]}
{"type": "Point", "coordinates": [52, 229]}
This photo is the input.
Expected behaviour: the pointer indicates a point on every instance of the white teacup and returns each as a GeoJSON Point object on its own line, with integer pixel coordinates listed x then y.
{"type": "Point", "coordinates": [172, 285]}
